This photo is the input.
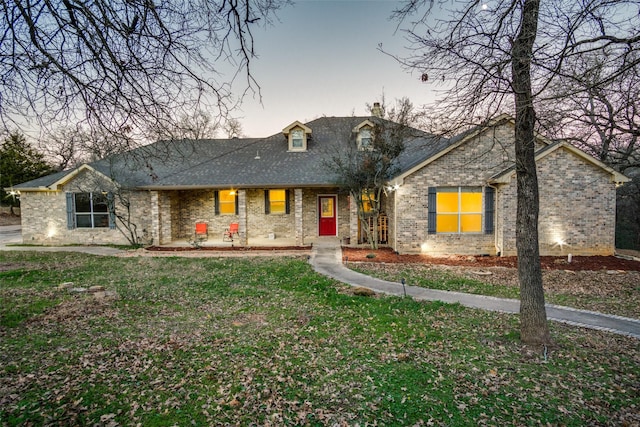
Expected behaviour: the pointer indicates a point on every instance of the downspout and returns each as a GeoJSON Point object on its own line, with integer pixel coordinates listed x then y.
{"type": "Point", "coordinates": [395, 221]}
{"type": "Point", "coordinates": [396, 186]}
{"type": "Point", "coordinates": [495, 222]}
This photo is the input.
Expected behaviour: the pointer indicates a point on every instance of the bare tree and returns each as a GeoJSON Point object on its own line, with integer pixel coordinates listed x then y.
{"type": "Point", "coordinates": [604, 120]}
{"type": "Point", "coordinates": [599, 115]}
{"type": "Point", "coordinates": [194, 126]}
{"type": "Point", "coordinates": [69, 147]}
{"type": "Point", "coordinates": [365, 169]}
{"type": "Point", "coordinates": [122, 64]}
{"type": "Point", "coordinates": [233, 128]}
{"type": "Point", "coordinates": [504, 56]}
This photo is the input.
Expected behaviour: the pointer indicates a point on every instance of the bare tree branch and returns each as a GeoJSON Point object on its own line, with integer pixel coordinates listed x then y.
{"type": "Point", "coordinates": [124, 64]}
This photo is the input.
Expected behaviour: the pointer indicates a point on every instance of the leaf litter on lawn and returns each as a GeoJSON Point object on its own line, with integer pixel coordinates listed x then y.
{"type": "Point", "coordinates": [611, 292]}
{"type": "Point", "coordinates": [270, 342]}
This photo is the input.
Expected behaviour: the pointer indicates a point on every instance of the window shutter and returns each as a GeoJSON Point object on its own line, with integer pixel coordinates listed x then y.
{"type": "Point", "coordinates": [111, 206]}
{"type": "Point", "coordinates": [431, 214]}
{"type": "Point", "coordinates": [286, 202]}
{"type": "Point", "coordinates": [71, 218]}
{"type": "Point", "coordinates": [489, 209]}
{"type": "Point", "coordinates": [236, 202]}
{"type": "Point", "coordinates": [267, 207]}
{"type": "Point", "coordinates": [216, 202]}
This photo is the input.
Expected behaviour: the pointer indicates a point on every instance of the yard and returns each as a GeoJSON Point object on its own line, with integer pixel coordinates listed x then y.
{"type": "Point", "coordinates": [267, 341]}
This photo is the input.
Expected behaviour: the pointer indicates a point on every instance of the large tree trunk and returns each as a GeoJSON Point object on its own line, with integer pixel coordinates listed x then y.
{"type": "Point", "coordinates": [533, 316]}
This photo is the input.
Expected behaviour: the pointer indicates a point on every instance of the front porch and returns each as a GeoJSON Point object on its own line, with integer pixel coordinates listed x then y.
{"type": "Point", "coordinates": [261, 222]}
{"type": "Point", "coordinates": [218, 242]}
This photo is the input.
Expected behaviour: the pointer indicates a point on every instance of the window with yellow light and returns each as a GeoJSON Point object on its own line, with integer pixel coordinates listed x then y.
{"type": "Point", "coordinates": [227, 202]}
{"type": "Point", "coordinates": [459, 210]}
{"type": "Point", "coordinates": [368, 200]}
{"type": "Point", "coordinates": [277, 201]}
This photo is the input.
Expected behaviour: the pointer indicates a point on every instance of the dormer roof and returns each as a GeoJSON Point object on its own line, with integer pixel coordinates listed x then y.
{"type": "Point", "coordinates": [366, 123]}
{"type": "Point", "coordinates": [296, 124]}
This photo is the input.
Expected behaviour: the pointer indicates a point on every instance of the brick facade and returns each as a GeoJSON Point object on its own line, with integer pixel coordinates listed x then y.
{"type": "Point", "coordinates": [187, 207]}
{"type": "Point", "coordinates": [44, 215]}
{"type": "Point", "coordinates": [469, 165]}
{"type": "Point", "coordinates": [577, 202]}
{"type": "Point", "coordinates": [577, 207]}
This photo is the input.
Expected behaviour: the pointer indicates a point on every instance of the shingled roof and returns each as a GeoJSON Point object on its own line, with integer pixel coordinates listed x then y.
{"type": "Point", "coordinates": [244, 162]}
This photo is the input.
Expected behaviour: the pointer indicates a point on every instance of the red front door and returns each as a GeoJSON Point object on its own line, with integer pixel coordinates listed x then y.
{"type": "Point", "coordinates": [327, 212]}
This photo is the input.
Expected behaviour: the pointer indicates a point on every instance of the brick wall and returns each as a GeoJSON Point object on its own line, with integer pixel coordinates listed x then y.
{"type": "Point", "coordinates": [188, 207]}
{"type": "Point", "coordinates": [468, 165]}
{"type": "Point", "coordinates": [577, 202]}
{"type": "Point", "coordinates": [577, 208]}
{"type": "Point", "coordinates": [44, 215]}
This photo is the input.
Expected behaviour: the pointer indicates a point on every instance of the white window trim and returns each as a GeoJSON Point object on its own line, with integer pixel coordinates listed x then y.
{"type": "Point", "coordinates": [304, 140]}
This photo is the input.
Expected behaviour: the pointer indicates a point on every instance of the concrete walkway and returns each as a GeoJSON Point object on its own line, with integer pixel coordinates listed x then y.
{"type": "Point", "coordinates": [326, 259]}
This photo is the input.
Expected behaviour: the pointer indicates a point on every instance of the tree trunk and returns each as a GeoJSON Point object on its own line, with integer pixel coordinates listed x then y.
{"type": "Point", "coordinates": [533, 317]}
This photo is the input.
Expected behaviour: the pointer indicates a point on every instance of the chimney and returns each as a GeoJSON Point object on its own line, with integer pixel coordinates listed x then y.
{"type": "Point", "coordinates": [376, 110]}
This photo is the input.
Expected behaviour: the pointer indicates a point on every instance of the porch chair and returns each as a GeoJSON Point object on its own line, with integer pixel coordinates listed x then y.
{"type": "Point", "coordinates": [201, 233]}
{"type": "Point", "coordinates": [229, 232]}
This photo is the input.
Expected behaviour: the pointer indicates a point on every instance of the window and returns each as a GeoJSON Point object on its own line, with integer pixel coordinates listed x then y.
{"type": "Point", "coordinates": [226, 202]}
{"type": "Point", "coordinates": [89, 210]}
{"type": "Point", "coordinates": [459, 210]}
{"type": "Point", "coordinates": [368, 200]}
{"type": "Point", "coordinates": [298, 135]}
{"type": "Point", "coordinates": [365, 135]}
{"type": "Point", "coordinates": [276, 201]}
{"type": "Point", "coordinates": [365, 141]}
{"type": "Point", "coordinates": [297, 139]}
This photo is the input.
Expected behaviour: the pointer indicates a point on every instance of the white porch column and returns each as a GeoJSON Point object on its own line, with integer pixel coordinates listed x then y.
{"type": "Point", "coordinates": [299, 224]}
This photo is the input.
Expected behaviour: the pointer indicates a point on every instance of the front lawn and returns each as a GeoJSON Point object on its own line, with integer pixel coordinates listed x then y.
{"type": "Point", "coordinates": [256, 341]}
{"type": "Point", "coordinates": [615, 292]}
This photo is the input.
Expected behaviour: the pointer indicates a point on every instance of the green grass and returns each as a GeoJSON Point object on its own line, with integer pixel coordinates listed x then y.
{"type": "Point", "coordinates": [585, 291]}
{"type": "Point", "coordinates": [257, 341]}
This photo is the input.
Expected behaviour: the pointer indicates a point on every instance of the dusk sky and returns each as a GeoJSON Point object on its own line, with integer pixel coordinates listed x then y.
{"type": "Point", "coordinates": [322, 58]}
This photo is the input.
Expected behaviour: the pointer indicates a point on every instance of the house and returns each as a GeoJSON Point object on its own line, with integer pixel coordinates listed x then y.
{"type": "Point", "coordinates": [449, 195]}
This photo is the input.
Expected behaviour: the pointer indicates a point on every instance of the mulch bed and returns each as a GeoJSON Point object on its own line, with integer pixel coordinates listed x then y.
{"type": "Point", "coordinates": [227, 248]}
{"type": "Point", "coordinates": [578, 263]}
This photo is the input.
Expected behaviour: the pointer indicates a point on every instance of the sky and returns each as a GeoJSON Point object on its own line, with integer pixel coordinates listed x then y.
{"type": "Point", "coordinates": [321, 58]}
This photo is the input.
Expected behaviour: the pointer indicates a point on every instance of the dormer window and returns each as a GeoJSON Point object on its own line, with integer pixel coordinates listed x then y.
{"type": "Point", "coordinates": [297, 135]}
{"type": "Point", "coordinates": [366, 142]}
{"type": "Point", "coordinates": [364, 135]}
{"type": "Point", "coordinates": [297, 139]}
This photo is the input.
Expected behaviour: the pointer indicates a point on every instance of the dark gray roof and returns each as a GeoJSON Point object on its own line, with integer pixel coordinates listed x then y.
{"type": "Point", "coordinates": [255, 162]}
{"type": "Point", "coordinates": [43, 182]}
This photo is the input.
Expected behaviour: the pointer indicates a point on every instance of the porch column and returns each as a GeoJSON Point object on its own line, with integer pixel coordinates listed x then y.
{"type": "Point", "coordinates": [353, 220]}
{"type": "Point", "coordinates": [160, 217]}
{"type": "Point", "coordinates": [164, 216]}
{"type": "Point", "coordinates": [298, 216]}
{"type": "Point", "coordinates": [242, 217]}
{"type": "Point", "coordinates": [155, 218]}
